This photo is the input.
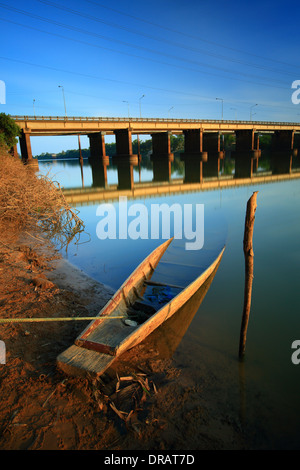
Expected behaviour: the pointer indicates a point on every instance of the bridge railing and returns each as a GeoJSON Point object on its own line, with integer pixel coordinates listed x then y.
{"type": "Point", "coordinates": [123, 119]}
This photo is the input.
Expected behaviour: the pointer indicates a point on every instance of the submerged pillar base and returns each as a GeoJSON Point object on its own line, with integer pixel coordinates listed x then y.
{"type": "Point", "coordinates": [99, 171]}
{"type": "Point", "coordinates": [282, 152]}
{"type": "Point", "coordinates": [244, 162]}
{"type": "Point", "coordinates": [162, 167]}
{"type": "Point", "coordinates": [193, 166]}
{"type": "Point", "coordinates": [124, 159]}
{"type": "Point", "coordinates": [246, 152]}
{"type": "Point", "coordinates": [212, 145]}
{"type": "Point", "coordinates": [125, 164]}
{"type": "Point", "coordinates": [193, 156]}
{"type": "Point", "coordinates": [98, 159]}
{"type": "Point", "coordinates": [161, 156]}
{"type": "Point", "coordinates": [281, 161]}
{"type": "Point", "coordinates": [34, 164]}
{"type": "Point", "coordinates": [211, 168]}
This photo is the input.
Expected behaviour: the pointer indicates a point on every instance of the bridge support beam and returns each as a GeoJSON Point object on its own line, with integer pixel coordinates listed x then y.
{"type": "Point", "coordinates": [212, 145]}
{"type": "Point", "coordinates": [98, 160]}
{"type": "Point", "coordinates": [297, 147]}
{"type": "Point", "coordinates": [26, 152]}
{"type": "Point", "coordinates": [124, 159]}
{"type": "Point", "coordinates": [246, 153]}
{"type": "Point", "coordinates": [161, 156]}
{"type": "Point", "coordinates": [258, 151]}
{"type": "Point", "coordinates": [193, 156]}
{"type": "Point", "coordinates": [282, 151]}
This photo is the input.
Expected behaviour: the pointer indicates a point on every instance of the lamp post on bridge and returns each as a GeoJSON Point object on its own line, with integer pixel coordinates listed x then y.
{"type": "Point", "coordinates": [34, 109]}
{"type": "Point", "coordinates": [63, 92]}
{"type": "Point", "coordinates": [140, 105]}
{"type": "Point", "coordinates": [251, 111]}
{"type": "Point", "coordinates": [138, 140]}
{"type": "Point", "coordinates": [169, 111]}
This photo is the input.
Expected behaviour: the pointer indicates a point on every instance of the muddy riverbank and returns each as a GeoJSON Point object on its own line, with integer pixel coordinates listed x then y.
{"type": "Point", "coordinates": [143, 403]}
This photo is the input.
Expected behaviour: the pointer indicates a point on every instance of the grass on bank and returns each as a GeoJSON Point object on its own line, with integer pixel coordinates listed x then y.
{"type": "Point", "coordinates": [35, 204]}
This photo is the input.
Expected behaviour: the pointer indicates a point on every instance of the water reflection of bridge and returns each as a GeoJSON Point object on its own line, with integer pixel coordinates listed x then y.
{"type": "Point", "coordinates": [92, 195]}
{"type": "Point", "coordinates": [203, 145]}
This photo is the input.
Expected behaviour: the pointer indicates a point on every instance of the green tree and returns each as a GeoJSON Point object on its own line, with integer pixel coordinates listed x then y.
{"type": "Point", "coordinates": [229, 141]}
{"type": "Point", "coordinates": [9, 131]}
{"type": "Point", "coordinates": [177, 143]}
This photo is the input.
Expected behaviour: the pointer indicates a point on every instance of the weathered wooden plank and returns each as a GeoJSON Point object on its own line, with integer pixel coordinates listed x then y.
{"type": "Point", "coordinates": [162, 284]}
{"type": "Point", "coordinates": [78, 361]}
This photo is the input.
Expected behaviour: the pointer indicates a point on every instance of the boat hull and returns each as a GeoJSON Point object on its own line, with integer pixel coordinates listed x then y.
{"type": "Point", "coordinates": [106, 338]}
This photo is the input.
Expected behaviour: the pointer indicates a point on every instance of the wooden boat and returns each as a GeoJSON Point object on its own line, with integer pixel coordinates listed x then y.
{"type": "Point", "coordinates": [128, 318]}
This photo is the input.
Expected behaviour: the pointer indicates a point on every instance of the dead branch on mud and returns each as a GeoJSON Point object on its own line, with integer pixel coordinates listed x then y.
{"type": "Point", "coordinates": [35, 203]}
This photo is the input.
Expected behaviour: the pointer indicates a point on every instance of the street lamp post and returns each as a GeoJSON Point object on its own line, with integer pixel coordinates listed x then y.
{"type": "Point", "coordinates": [221, 99]}
{"type": "Point", "coordinates": [33, 108]}
{"type": "Point", "coordinates": [169, 111]}
{"type": "Point", "coordinates": [140, 105]}
{"type": "Point", "coordinates": [63, 92]}
{"type": "Point", "coordinates": [138, 140]}
{"type": "Point", "coordinates": [251, 111]}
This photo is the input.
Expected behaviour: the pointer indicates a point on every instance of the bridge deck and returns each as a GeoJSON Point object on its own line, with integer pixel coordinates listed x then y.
{"type": "Point", "coordinates": [59, 125]}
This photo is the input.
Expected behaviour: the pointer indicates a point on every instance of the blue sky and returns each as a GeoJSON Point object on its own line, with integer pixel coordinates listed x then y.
{"type": "Point", "coordinates": [154, 58]}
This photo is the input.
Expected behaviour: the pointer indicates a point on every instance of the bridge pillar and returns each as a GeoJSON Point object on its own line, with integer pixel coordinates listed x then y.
{"type": "Point", "coordinates": [212, 145]}
{"type": "Point", "coordinates": [193, 156]}
{"type": "Point", "coordinates": [124, 159]}
{"type": "Point", "coordinates": [258, 151]}
{"type": "Point", "coordinates": [282, 151]}
{"type": "Point", "coordinates": [98, 159]}
{"type": "Point", "coordinates": [26, 152]}
{"type": "Point", "coordinates": [297, 147]}
{"type": "Point", "coordinates": [161, 156]}
{"type": "Point", "coordinates": [246, 153]}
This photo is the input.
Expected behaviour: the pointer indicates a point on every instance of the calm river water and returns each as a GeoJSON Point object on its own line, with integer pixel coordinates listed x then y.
{"type": "Point", "coordinates": [265, 389]}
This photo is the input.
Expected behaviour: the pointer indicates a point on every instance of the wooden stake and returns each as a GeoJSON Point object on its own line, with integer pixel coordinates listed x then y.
{"type": "Point", "coordinates": [249, 255]}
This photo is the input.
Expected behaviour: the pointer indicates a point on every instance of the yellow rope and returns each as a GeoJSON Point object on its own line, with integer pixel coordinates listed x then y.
{"type": "Point", "coordinates": [23, 320]}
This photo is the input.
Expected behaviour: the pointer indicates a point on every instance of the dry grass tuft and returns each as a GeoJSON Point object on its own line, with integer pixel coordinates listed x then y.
{"type": "Point", "coordinates": [30, 202]}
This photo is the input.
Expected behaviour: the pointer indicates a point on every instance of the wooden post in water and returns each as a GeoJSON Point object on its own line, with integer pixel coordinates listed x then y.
{"type": "Point", "coordinates": [249, 255]}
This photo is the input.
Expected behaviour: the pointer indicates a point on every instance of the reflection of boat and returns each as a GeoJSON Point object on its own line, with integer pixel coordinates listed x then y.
{"type": "Point", "coordinates": [138, 308]}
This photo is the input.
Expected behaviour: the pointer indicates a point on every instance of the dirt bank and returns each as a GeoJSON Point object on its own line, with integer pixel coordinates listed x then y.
{"type": "Point", "coordinates": [144, 402]}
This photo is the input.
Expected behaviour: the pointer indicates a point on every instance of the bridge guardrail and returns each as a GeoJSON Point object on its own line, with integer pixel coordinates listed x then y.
{"type": "Point", "coordinates": [122, 119]}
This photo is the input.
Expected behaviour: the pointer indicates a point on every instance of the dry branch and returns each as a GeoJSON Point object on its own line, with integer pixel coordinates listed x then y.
{"type": "Point", "coordinates": [35, 203]}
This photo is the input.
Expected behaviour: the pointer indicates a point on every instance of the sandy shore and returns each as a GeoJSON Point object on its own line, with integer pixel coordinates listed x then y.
{"type": "Point", "coordinates": [142, 403]}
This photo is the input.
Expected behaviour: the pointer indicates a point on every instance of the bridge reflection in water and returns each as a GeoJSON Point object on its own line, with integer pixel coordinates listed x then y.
{"type": "Point", "coordinates": [202, 154]}
{"type": "Point", "coordinates": [97, 192]}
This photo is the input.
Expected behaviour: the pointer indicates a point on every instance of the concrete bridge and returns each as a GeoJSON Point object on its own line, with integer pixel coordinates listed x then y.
{"type": "Point", "coordinates": [203, 149]}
